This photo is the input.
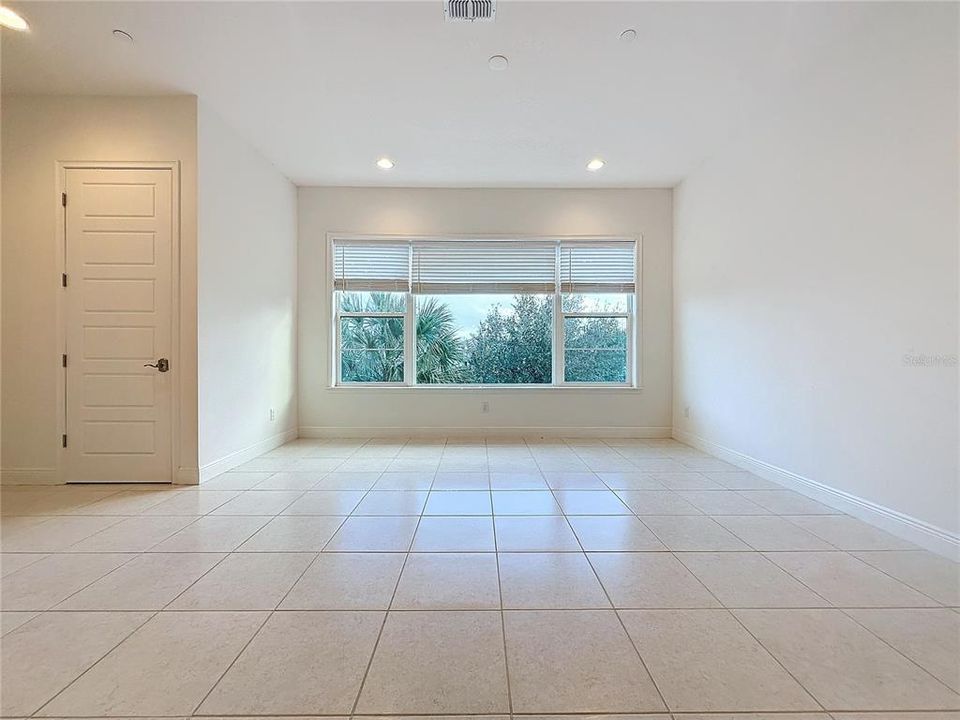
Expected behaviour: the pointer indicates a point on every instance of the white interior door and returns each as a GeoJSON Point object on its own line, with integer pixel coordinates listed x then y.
{"type": "Point", "coordinates": [119, 226]}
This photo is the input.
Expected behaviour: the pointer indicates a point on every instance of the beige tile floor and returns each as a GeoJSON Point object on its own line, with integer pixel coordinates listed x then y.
{"type": "Point", "coordinates": [469, 577]}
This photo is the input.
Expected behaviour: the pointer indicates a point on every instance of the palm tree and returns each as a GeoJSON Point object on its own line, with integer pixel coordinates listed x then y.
{"type": "Point", "coordinates": [372, 347]}
{"type": "Point", "coordinates": [440, 352]}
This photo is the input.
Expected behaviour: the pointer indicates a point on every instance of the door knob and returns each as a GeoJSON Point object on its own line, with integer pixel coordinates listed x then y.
{"type": "Point", "coordinates": [162, 365]}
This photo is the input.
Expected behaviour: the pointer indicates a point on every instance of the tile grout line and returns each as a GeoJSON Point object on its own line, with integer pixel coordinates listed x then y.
{"type": "Point", "coordinates": [776, 659]}
{"type": "Point", "coordinates": [232, 662]}
{"type": "Point", "coordinates": [895, 579]}
{"type": "Point", "coordinates": [259, 629]}
{"type": "Point", "coordinates": [322, 548]}
{"type": "Point", "coordinates": [623, 627]}
{"type": "Point", "coordinates": [386, 614]}
{"type": "Point", "coordinates": [897, 650]}
{"type": "Point", "coordinates": [724, 608]}
{"type": "Point", "coordinates": [210, 570]}
{"type": "Point", "coordinates": [849, 553]}
{"type": "Point", "coordinates": [263, 624]}
{"type": "Point", "coordinates": [904, 582]}
{"type": "Point", "coordinates": [503, 621]}
{"type": "Point", "coordinates": [936, 602]}
{"type": "Point", "coordinates": [679, 558]}
{"type": "Point", "coordinates": [92, 582]}
{"type": "Point", "coordinates": [64, 548]}
{"type": "Point", "coordinates": [93, 664]}
{"type": "Point", "coordinates": [732, 608]}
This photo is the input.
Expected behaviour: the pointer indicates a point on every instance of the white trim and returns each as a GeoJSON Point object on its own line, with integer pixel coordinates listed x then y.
{"type": "Point", "coordinates": [601, 315]}
{"type": "Point", "coordinates": [593, 388]}
{"type": "Point", "coordinates": [409, 342]}
{"type": "Point", "coordinates": [30, 476]}
{"type": "Point", "coordinates": [390, 237]}
{"type": "Point", "coordinates": [176, 292]}
{"type": "Point", "coordinates": [558, 337]}
{"type": "Point", "coordinates": [372, 314]}
{"type": "Point", "coordinates": [636, 335]}
{"type": "Point", "coordinates": [933, 538]}
{"type": "Point", "coordinates": [505, 431]}
{"type": "Point", "coordinates": [234, 459]}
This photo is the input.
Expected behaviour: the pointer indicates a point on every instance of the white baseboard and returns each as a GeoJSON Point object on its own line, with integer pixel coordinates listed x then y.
{"type": "Point", "coordinates": [933, 538]}
{"type": "Point", "coordinates": [48, 476]}
{"type": "Point", "coordinates": [510, 432]}
{"type": "Point", "coordinates": [228, 462]}
{"type": "Point", "coordinates": [29, 476]}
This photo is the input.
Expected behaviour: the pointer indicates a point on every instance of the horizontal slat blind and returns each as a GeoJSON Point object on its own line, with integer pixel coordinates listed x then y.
{"type": "Point", "coordinates": [601, 266]}
{"type": "Point", "coordinates": [484, 266]}
{"type": "Point", "coordinates": [371, 266]}
{"type": "Point", "coordinates": [472, 266]}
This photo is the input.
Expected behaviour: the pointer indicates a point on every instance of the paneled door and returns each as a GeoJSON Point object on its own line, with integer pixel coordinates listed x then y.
{"type": "Point", "coordinates": [118, 311]}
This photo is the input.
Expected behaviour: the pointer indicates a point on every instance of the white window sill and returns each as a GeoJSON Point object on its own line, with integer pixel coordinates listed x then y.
{"type": "Point", "coordinates": [487, 388]}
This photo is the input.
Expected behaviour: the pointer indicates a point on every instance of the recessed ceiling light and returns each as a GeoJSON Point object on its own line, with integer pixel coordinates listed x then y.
{"type": "Point", "coordinates": [384, 163]}
{"type": "Point", "coordinates": [628, 35]}
{"type": "Point", "coordinates": [498, 62]}
{"type": "Point", "coordinates": [123, 35]}
{"type": "Point", "coordinates": [595, 164]}
{"type": "Point", "coordinates": [10, 19]}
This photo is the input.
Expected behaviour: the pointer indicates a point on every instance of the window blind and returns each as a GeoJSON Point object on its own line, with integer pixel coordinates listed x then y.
{"type": "Point", "coordinates": [371, 266]}
{"type": "Point", "coordinates": [601, 266]}
{"type": "Point", "coordinates": [479, 266]}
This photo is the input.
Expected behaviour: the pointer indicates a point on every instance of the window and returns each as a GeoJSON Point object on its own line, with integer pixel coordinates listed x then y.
{"type": "Point", "coordinates": [371, 332]}
{"type": "Point", "coordinates": [484, 339]}
{"type": "Point", "coordinates": [598, 285]}
{"type": "Point", "coordinates": [595, 333]}
{"type": "Point", "coordinates": [434, 312]}
{"type": "Point", "coordinates": [371, 281]}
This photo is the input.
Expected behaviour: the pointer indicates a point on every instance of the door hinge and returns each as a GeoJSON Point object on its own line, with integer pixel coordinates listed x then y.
{"type": "Point", "coordinates": [63, 279]}
{"type": "Point", "coordinates": [64, 359]}
{"type": "Point", "coordinates": [64, 440]}
{"type": "Point", "coordinates": [63, 199]}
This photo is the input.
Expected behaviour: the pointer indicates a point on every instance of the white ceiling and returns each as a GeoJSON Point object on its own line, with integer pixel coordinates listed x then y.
{"type": "Point", "coordinates": [323, 88]}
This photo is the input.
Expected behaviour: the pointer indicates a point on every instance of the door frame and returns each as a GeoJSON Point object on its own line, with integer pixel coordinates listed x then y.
{"type": "Point", "coordinates": [60, 255]}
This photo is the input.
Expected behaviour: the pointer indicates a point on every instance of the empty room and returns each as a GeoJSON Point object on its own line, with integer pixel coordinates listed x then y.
{"type": "Point", "coordinates": [479, 359]}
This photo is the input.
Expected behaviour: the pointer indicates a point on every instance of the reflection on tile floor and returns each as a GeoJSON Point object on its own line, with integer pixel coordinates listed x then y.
{"type": "Point", "coordinates": [478, 577]}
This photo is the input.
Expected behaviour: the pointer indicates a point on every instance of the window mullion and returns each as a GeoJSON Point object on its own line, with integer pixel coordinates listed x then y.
{"type": "Point", "coordinates": [599, 315]}
{"type": "Point", "coordinates": [409, 342]}
{"type": "Point", "coordinates": [558, 341]}
{"type": "Point", "coordinates": [336, 340]}
{"type": "Point", "coordinates": [372, 314]}
{"type": "Point", "coordinates": [631, 342]}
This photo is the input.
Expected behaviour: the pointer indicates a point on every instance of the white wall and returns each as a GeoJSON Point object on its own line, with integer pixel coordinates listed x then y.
{"type": "Point", "coordinates": [247, 215]}
{"type": "Point", "coordinates": [814, 253]}
{"type": "Point", "coordinates": [484, 212]}
{"type": "Point", "coordinates": [39, 131]}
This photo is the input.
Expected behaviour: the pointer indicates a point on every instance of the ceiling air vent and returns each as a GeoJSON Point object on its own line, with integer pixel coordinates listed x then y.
{"type": "Point", "coordinates": [469, 10]}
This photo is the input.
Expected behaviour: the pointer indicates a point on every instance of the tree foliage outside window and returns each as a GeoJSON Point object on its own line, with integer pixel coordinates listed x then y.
{"type": "Point", "coordinates": [595, 349]}
{"type": "Point", "coordinates": [371, 347]}
{"type": "Point", "coordinates": [512, 344]}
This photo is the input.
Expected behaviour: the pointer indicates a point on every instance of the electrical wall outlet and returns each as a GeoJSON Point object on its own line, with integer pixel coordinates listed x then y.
{"type": "Point", "coordinates": [686, 411]}
{"type": "Point", "coordinates": [484, 406]}
{"type": "Point", "coordinates": [273, 414]}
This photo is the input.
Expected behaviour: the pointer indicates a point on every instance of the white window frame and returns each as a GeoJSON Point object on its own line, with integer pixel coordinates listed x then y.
{"type": "Point", "coordinates": [338, 367]}
{"type": "Point", "coordinates": [632, 315]}
{"type": "Point", "coordinates": [560, 329]}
